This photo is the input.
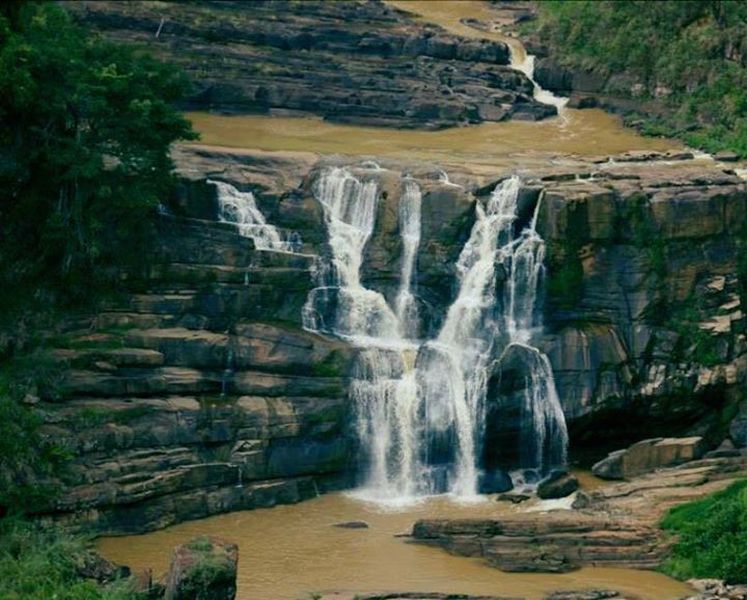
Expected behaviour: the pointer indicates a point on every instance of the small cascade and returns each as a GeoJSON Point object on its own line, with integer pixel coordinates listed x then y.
{"type": "Point", "coordinates": [443, 177]}
{"type": "Point", "coordinates": [524, 62]}
{"type": "Point", "coordinates": [241, 209]}
{"type": "Point", "coordinates": [421, 405]}
{"type": "Point", "coordinates": [340, 304]}
{"type": "Point", "coordinates": [405, 306]}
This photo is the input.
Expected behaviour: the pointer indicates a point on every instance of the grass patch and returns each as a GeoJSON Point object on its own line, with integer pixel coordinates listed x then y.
{"type": "Point", "coordinates": [712, 536]}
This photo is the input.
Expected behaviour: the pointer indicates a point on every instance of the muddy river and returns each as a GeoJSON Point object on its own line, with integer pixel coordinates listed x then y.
{"type": "Point", "coordinates": [288, 552]}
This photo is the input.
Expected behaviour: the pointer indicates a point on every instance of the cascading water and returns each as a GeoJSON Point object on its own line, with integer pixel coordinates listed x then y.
{"type": "Point", "coordinates": [421, 405]}
{"type": "Point", "coordinates": [340, 304]}
{"type": "Point", "coordinates": [240, 208]}
{"type": "Point", "coordinates": [405, 306]}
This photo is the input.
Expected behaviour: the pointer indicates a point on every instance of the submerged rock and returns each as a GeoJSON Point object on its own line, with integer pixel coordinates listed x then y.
{"type": "Point", "coordinates": [203, 569]}
{"type": "Point", "coordinates": [558, 484]}
{"type": "Point", "coordinates": [352, 525]}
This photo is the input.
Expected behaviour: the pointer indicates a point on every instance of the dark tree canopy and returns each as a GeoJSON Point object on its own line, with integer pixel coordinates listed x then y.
{"type": "Point", "coordinates": [85, 129]}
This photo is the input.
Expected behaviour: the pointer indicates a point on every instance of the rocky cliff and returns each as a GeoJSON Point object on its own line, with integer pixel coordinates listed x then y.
{"type": "Point", "coordinates": [201, 393]}
{"type": "Point", "coordinates": [361, 62]}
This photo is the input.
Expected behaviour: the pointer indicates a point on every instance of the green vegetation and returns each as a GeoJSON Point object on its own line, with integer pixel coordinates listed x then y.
{"type": "Point", "coordinates": [85, 129]}
{"type": "Point", "coordinates": [690, 54]}
{"type": "Point", "coordinates": [39, 563]}
{"type": "Point", "coordinates": [712, 536]}
{"type": "Point", "coordinates": [28, 459]}
{"type": "Point", "coordinates": [212, 569]}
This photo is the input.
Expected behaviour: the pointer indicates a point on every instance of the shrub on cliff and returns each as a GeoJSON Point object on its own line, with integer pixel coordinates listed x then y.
{"type": "Point", "coordinates": [85, 129]}
{"type": "Point", "coordinates": [712, 536]}
{"type": "Point", "coordinates": [691, 54]}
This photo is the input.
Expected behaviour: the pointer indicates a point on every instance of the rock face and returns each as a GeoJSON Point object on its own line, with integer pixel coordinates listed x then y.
{"type": "Point", "coordinates": [203, 569]}
{"type": "Point", "coordinates": [361, 62]}
{"type": "Point", "coordinates": [645, 299]}
{"type": "Point", "coordinates": [201, 394]}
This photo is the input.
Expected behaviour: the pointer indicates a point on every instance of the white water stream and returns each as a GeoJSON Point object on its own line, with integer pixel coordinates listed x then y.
{"type": "Point", "coordinates": [421, 405]}
{"type": "Point", "coordinates": [240, 208]}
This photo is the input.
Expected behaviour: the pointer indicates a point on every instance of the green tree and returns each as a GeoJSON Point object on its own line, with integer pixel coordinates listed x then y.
{"type": "Point", "coordinates": [85, 130]}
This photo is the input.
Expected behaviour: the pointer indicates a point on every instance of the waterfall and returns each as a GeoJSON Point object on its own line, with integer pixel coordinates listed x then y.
{"type": "Point", "coordinates": [421, 405]}
{"type": "Point", "coordinates": [240, 208]}
{"type": "Point", "coordinates": [409, 223]}
{"type": "Point", "coordinates": [340, 304]}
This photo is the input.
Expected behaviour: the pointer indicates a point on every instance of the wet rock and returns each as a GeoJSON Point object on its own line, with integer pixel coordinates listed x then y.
{"type": "Point", "coordinates": [494, 482]}
{"type": "Point", "coordinates": [726, 156]}
{"type": "Point", "coordinates": [619, 529]}
{"type": "Point", "coordinates": [558, 484]}
{"type": "Point", "coordinates": [513, 498]}
{"type": "Point", "coordinates": [203, 569]}
{"type": "Point", "coordinates": [352, 525]}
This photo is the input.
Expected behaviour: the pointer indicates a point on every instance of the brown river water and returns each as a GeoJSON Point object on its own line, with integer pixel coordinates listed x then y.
{"type": "Point", "coordinates": [288, 552]}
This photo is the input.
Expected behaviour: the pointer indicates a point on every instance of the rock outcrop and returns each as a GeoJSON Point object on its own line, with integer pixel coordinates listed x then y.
{"type": "Point", "coordinates": [648, 455]}
{"type": "Point", "coordinates": [618, 526]}
{"type": "Point", "coordinates": [201, 394]}
{"type": "Point", "coordinates": [203, 569]}
{"type": "Point", "coordinates": [359, 62]}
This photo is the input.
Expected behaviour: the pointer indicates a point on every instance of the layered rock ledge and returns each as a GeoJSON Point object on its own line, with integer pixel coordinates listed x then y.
{"type": "Point", "coordinates": [359, 62]}
{"type": "Point", "coordinates": [615, 526]}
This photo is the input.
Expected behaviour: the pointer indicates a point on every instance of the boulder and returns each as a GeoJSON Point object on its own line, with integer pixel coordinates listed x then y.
{"type": "Point", "coordinates": [558, 484]}
{"type": "Point", "coordinates": [648, 455]}
{"type": "Point", "coordinates": [203, 569]}
{"type": "Point", "coordinates": [610, 467]}
{"type": "Point", "coordinates": [726, 156]}
{"type": "Point", "coordinates": [494, 482]}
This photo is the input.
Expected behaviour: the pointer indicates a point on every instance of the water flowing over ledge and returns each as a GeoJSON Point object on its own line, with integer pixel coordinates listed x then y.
{"type": "Point", "coordinates": [421, 404]}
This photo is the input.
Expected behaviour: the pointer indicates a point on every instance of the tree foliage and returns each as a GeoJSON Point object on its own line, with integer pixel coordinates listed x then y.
{"type": "Point", "coordinates": [691, 54]}
{"type": "Point", "coordinates": [85, 129]}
